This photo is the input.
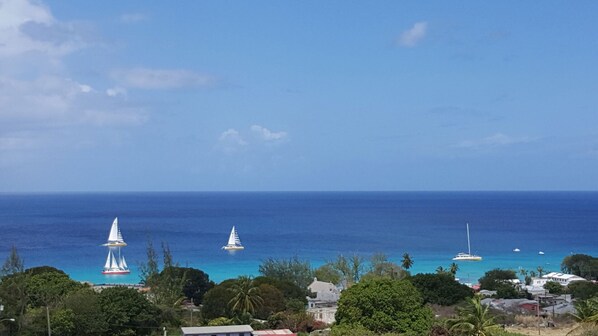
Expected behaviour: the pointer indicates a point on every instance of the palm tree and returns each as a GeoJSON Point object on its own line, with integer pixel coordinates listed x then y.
{"type": "Point", "coordinates": [474, 319]}
{"type": "Point", "coordinates": [440, 270]}
{"type": "Point", "coordinates": [407, 262]}
{"type": "Point", "coordinates": [540, 270]}
{"type": "Point", "coordinates": [587, 313]}
{"type": "Point", "coordinates": [247, 297]}
{"type": "Point", "coordinates": [453, 269]}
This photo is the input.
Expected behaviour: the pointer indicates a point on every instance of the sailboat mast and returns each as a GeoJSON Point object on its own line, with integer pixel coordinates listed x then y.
{"type": "Point", "coordinates": [468, 245]}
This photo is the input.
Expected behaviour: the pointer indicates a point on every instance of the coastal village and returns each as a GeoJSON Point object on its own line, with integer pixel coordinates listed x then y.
{"type": "Point", "coordinates": [352, 297]}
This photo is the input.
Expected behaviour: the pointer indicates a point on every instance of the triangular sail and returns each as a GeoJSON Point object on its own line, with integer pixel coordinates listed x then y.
{"type": "Point", "coordinates": [233, 238]}
{"type": "Point", "coordinates": [107, 264]}
{"type": "Point", "coordinates": [234, 243]}
{"type": "Point", "coordinates": [113, 263]}
{"type": "Point", "coordinates": [123, 263]}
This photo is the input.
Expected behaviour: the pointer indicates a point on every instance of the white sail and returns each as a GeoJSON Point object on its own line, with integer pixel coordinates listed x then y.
{"type": "Point", "coordinates": [123, 263]}
{"type": "Point", "coordinates": [234, 243]}
{"type": "Point", "coordinates": [113, 263]}
{"type": "Point", "coordinates": [107, 264]}
{"type": "Point", "coordinates": [233, 239]}
{"type": "Point", "coordinates": [114, 234]}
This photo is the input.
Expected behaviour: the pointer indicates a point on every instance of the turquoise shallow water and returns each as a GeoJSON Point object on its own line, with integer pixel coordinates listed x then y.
{"type": "Point", "coordinates": [66, 230]}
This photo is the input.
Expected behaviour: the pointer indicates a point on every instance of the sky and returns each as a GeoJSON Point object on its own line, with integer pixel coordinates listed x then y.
{"type": "Point", "coordinates": [298, 95]}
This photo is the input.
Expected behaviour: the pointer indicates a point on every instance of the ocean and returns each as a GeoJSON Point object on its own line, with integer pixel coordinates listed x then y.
{"type": "Point", "coordinates": [66, 230]}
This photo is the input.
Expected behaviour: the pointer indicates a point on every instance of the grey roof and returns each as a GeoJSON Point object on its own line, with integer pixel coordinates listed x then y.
{"type": "Point", "coordinates": [217, 330]}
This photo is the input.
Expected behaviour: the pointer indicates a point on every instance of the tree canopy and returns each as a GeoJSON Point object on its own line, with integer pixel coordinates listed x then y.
{"type": "Point", "coordinates": [384, 305]}
{"type": "Point", "coordinates": [582, 265]}
{"type": "Point", "coordinates": [293, 269]}
{"type": "Point", "coordinates": [440, 288]}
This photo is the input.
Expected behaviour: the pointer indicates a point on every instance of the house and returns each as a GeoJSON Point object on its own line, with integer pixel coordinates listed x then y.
{"type": "Point", "coordinates": [324, 314]}
{"type": "Point", "coordinates": [325, 291]}
{"type": "Point", "coordinates": [561, 278]}
{"type": "Point", "coordinates": [512, 305]}
{"type": "Point", "coordinates": [233, 330]}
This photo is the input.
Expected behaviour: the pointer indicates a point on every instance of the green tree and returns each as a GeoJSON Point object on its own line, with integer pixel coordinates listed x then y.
{"type": "Point", "coordinates": [583, 290]}
{"type": "Point", "coordinates": [13, 264]}
{"type": "Point", "coordinates": [149, 269]}
{"type": "Point", "coordinates": [441, 289]}
{"type": "Point", "coordinates": [474, 319]}
{"type": "Point", "coordinates": [553, 287]}
{"type": "Point", "coordinates": [127, 312]}
{"type": "Point", "coordinates": [294, 270]}
{"type": "Point", "coordinates": [63, 323]}
{"type": "Point", "coordinates": [381, 267]}
{"type": "Point", "coordinates": [14, 297]}
{"type": "Point", "coordinates": [407, 262]}
{"type": "Point", "coordinates": [453, 268]}
{"type": "Point", "coordinates": [215, 302]}
{"type": "Point", "coordinates": [49, 288]}
{"type": "Point", "coordinates": [586, 314]}
{"type": "Point", "coordinates": [493, 278]}
{"type": "Point", "coordinates": [246, 296]}
{"type": "Point", "coordinates": [273, 301]}
{"type": "Point", "coordinates": [541, 271]}
{"type": "Point", "coordinates": [327, 273]}
{"type": "Point", "coordinates": [88, 318]}
{"type": "Point", "coordinates": [196, 283]}
{"type": "Point", "coordinates": [384, 305]}
{"type": "Point", "coordinates": [580, 264]}
{"type": "Point", "coordinates": [289, 290]}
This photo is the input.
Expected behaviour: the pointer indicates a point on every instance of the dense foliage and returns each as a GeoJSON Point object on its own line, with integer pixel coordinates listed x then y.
{"type": "Point", "coordinates": [582, 265]}
{"type": "Point", "coordinates": [441, 288]}
{"type": "Point", "coordinates": [293, 269]}
{"type": "Point", "coordinates": [583, 290]}
{"type": "Point", "coordinates": [384, 305]}
{"type": "Point", "coordinates": [500, 281]}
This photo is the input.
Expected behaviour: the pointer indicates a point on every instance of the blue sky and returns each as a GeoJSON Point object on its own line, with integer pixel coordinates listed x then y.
{"type": "Point", "coordinates": [298, 95]}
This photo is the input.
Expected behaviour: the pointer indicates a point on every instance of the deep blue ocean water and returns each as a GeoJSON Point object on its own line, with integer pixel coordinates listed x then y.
{"type": "Point", "coordinates": [66, 230]}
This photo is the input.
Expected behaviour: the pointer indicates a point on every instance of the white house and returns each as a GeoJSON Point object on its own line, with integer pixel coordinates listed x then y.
{"type": "Point", "coordinates": [233, 330]}
{"type": "Point", "coordinates": [561, 278]}
{"type": "Point", "coordinates": [325, 291]}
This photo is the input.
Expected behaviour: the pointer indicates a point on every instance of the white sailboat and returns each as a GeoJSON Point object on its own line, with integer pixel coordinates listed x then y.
{"type": "Point", "coordinates": [467, 256]}
{"type": "Point", "coordinates": [234, 243]}
{"type": "Point", "coordinates": [115, 262]}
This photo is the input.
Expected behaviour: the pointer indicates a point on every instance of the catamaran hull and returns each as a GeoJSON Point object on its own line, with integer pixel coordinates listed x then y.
{"type": "Point", "coordinates": [116, 272]}
{"type": "Point", "coordinates": [233, 248]}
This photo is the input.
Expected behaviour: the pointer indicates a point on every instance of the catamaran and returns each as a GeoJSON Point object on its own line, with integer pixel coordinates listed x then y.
{"type": "Point", "coordinates": [115, 262]}
{"type": "Point", "coordinates": [467, 256]}
{"type": "Point", "coordinates": [234, 243]}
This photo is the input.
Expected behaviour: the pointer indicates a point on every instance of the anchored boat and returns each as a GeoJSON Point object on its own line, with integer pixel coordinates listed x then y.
{"type": "Point", "coordinates": [115, 262]}
{"type": "Point", "coordinates": [467, 256]}
{"type": "Point", "coordinates": [234, 243]}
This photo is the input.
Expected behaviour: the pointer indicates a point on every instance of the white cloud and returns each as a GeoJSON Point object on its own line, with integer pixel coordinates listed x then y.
{"type": "Point", "coordinates": [53, 101]}
{"type": "Point", "coordinates": [495, 140]}
{"type": "Point", "coordinates": [116, 91]}
{"type": "Point", "coordinates": [232, 136]}
{"type": "Point", "coordinates": [30, 27]}
{"type": "Point", "coordinates": [231, 140]}
{"type": "Point", "coordinates": [133, 17]}
{"type": "Point", "coordinates": [415, 34]}
{"type": "Point", "coordinates": [267, 135]}
{"type": "Point", "coordinates": [143, 78]}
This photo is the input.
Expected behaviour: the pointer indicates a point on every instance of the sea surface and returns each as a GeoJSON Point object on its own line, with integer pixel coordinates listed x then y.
{"type": "Point", "coordinates": [66, 230]}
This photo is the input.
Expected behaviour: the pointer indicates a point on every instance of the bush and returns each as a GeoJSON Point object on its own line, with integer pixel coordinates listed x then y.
{"type": "Point", "coordinates": [384, 305]}
{"type": "Point", "coordinates": [440, 288]}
